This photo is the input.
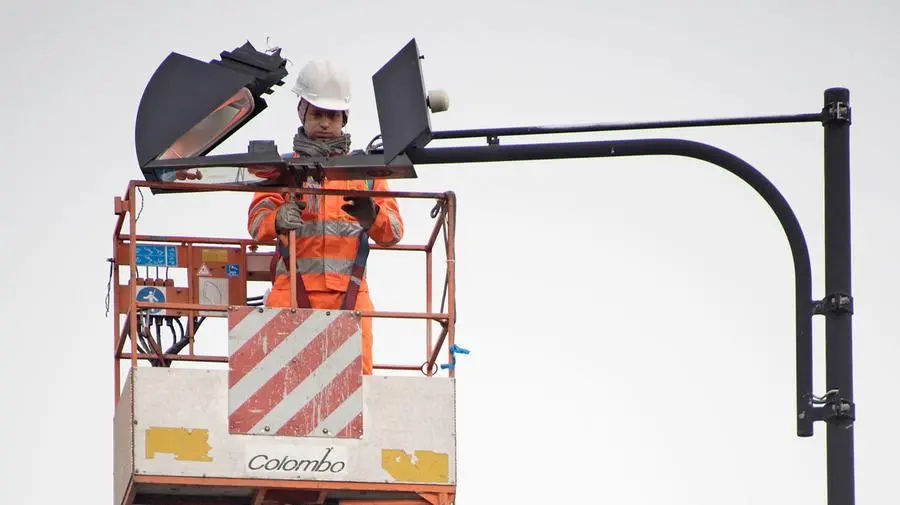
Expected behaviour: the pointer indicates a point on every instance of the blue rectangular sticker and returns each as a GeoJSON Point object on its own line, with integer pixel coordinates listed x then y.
{"type": "Point", "coordinates": [233, 270]}
{"type": "Point", "coordinates": [157, 255]}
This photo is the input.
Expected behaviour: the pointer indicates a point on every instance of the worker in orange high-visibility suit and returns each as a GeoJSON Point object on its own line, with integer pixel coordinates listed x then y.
{"type": "Point", "coordinates": [332, 231]}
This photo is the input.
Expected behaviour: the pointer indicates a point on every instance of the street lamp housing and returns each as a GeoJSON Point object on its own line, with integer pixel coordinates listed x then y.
{"type": "Point", "coordinates": [402, 103]}
{"type": "Point", "coordinates": [189, 107]}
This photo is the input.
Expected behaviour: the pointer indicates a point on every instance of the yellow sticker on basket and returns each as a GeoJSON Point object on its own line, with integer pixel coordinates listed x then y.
{"type": "Point", "coordinates": [215, 255]}
{"type": "Point", "coordinates": [428, 466]}
{"type": "Point", "coordinates": [186, 445]}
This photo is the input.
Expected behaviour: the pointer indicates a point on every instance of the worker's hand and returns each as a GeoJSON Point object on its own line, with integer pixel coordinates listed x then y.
{"type": "Point", "coordinates": [264, 171]}
{"type": "Point", "coordinates": [188, 175]}
{"type": "Point", "coordinates": [362, 208]}
{"type": "Point", "coordinates": [287, 217]}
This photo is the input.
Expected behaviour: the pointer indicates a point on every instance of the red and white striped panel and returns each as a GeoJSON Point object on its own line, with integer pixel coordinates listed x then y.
{"type": "Point", "coordinates": [294, 374]}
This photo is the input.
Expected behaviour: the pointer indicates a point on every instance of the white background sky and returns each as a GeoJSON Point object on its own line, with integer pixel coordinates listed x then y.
{"type": "Point", "coordinates": [630, 320]}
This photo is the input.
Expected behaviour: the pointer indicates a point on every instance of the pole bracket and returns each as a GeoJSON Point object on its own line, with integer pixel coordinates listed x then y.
{"type": "Point", "coordinates": [836, 113]}
{"type": "Point", "coordinates": [834, 303]}
{"type": "Point", "coordinates": [834, 409]}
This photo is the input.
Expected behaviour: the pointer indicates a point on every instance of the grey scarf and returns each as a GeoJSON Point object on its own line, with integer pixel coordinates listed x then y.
{"type": "Point", "coordinates": [336, 146]}
{"type": "Point", "coordinates": [305, 145]}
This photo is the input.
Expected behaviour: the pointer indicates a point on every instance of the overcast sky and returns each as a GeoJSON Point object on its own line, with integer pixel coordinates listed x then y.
{"type": "Point", "coordinates": [630, 321]}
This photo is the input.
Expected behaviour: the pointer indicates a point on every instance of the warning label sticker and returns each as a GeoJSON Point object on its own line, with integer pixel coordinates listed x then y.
{"type": "Point", "coordinates": [214, 255]}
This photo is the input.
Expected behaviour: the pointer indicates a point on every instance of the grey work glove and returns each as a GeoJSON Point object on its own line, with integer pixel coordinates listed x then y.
{"type": "Point", "coordinates": [287, 217]}
{"type": "Point", "coordinates": [362, 208]}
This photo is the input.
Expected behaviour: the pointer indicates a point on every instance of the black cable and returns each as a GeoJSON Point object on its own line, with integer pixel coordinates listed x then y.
{"type": "Point", "coordinates": [180, 326]}
{"type": "Point", "coordinates": [139, 341]}
{"type": "Point", "coordinates": [171, 326]}
{"type": "Point", "coordinates": [444, 226]}
{"type": "Point", "coordinates": [112, 265]}
{"type": "Point", "coordinates": [158, 322]}
{"type": "Point", "coordinates": [371, 144]}
{"type": "Point", "coordinates": [141, 209]}
{"type": "Point", "coordinates": [183, 341]}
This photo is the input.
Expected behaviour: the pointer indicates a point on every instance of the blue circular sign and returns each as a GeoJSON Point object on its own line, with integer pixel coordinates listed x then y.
{"type": "Point", "coordinates": [151, 294]}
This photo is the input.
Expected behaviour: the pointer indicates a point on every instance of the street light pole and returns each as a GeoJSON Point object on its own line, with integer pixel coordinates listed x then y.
{"type": "Point", "coordinates": [837, 307]}
{"type": "Point", "coordinates": [835, 407]}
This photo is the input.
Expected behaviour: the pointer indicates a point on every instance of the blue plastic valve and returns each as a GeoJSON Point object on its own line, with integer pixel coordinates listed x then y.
{"type": "Point", "coordinates": [457, 349]}
{"type": "Point", "coordinates": [454, 350]}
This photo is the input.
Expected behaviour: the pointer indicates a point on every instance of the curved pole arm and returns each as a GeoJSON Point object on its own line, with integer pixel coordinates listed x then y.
{"type": "Point", "coordinates": [690, 149]}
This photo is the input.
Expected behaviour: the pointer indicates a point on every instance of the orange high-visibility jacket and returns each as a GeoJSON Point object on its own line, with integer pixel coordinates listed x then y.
{"type": "Point", "coordinates": [328, 241]}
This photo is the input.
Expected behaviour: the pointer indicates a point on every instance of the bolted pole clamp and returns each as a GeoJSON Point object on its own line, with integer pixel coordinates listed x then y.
{"type": "Point", "coordinates": [834, 409]}
{"type": "Point", "coordinates": [835, 303]}
{"type": "Point", "coordinates": [836, 113]}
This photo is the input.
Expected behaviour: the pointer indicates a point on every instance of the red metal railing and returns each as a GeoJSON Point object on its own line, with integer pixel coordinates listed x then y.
{"type": "Point", "coordinates": [254, 267]}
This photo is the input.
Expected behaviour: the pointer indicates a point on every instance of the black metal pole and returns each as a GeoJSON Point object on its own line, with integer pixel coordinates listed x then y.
{"type": "Point", "coordinates": [839, 412]}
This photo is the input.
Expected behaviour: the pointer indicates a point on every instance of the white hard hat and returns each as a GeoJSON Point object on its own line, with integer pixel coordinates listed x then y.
{"type": "Point", "coordinates": [324, 85]}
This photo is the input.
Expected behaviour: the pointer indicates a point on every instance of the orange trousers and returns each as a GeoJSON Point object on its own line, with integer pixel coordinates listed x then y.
{"type": "Point", "coordinates": [280, 296]}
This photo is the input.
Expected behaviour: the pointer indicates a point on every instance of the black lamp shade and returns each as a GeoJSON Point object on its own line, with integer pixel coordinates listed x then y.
{"type": "Point", "coordinates": [189, 107]}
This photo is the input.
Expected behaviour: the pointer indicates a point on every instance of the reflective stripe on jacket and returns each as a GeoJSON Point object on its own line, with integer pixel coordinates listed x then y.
{"type": "Point", "coordinates": [328, 241]}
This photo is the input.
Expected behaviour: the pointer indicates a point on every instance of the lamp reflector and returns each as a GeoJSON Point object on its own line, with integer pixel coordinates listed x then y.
{"type": "Point", "coordinates": [212, 128]}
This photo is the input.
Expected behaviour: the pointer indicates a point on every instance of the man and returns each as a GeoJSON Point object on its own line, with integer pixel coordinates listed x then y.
{"type": "Point", "coordinates": [330, 229]}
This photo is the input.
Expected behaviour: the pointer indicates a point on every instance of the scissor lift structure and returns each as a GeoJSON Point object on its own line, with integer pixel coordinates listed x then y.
{"type": "Point", "coordinates": [292, 419]}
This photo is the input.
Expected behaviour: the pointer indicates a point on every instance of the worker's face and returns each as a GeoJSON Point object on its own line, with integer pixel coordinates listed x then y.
{"type": "Point", "coordinates": [322, 124]}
